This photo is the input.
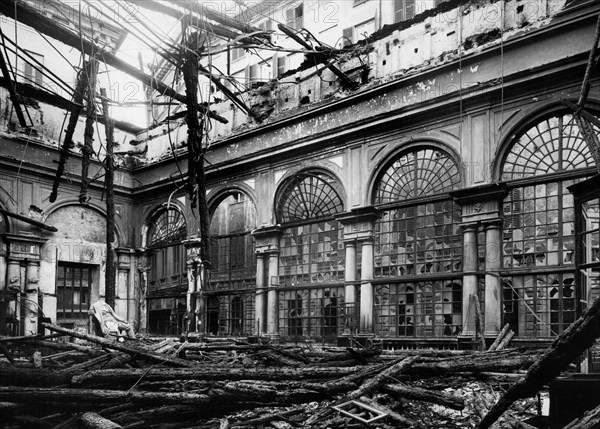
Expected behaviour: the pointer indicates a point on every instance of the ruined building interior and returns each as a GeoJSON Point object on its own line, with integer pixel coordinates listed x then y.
{"type": "Point", "coordinates": [301, 170]}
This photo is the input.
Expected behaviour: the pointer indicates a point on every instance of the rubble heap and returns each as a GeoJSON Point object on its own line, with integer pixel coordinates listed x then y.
{"type": "Point", "coordinates": [95, 382]}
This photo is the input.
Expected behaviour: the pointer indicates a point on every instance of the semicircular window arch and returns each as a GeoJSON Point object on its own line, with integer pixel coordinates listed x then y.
{"type": "Point", "coordinates": [308, 195]}
{"type": "Point", "coordinates": [167, 227]}
{"type": "Point", "coordinates": [417, 173]}
{"type": "Point", "coordinates": [552, 145]}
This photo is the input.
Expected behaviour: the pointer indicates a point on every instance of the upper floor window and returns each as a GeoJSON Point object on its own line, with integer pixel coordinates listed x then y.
{"type": "Point", "coordinates": [295, 17]}
{"type": "Point", "coordinates": [417, 173]}
{"type": "Point", "coordinates": [552, 145]}
{"type": "Point", "coordinates": [308, 195]}
{"type": "Point", "coordinates": [237, 53]}
{"type": "Point", "coordinates": [404, 10]}
{"type": "Point", "coordinates": [32, 69]}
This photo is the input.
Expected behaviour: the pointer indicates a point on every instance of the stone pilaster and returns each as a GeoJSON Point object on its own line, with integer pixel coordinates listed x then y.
{"type": "Point", "coordinates": [267, 245]}
{"type": "Point", "coordinates": [197, 279]}
{"type": "Point", "coordinates": [359, 228]}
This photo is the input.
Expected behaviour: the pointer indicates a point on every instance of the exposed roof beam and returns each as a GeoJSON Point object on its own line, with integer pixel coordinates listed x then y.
{"type": "Point", "coordinates": [30, 91]}
{"type": "Point", "coordinates": [346, 81]}
{"type": "Point", "coordinates": [177, 14]}
{"type": "Point", "coordinates": [223, 19]}
{"type": "Point", "coordinates": [29, 16]}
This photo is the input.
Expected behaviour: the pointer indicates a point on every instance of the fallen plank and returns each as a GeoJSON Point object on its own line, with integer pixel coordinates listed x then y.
{"type": "Point", "coordinates": [569, 345]}
{"type": "Point", "coordinates": [98, 396]}
{"type": "Point", "coordinates": [124, 347]}
{"type": "Point", "coordinates": [95, 421]}
{"type": "Point", "coordinates": [212, 373]}
{"type": "Point", "coordinates": [19, 376]}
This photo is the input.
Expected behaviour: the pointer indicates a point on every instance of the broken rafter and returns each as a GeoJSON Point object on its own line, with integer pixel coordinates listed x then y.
{"type": "Point", "coordinates": [68, 141]}
{"type": "Point", "coordinates": [88, 137]}
{"type": "Point", "coordinates": [29, 91]}
{"type": "Point", "coordinates": [346, 81]}
{"type": "Point", "coordinates": [28, 220]}
{"type": "Point", "coordinates": [217, 30]}
{"type": "Point", "coordinates": [109, 165]}
{"type": "Point", "coordinates": [29, 16]}
{"type": "Point", "coordinates": [13, 93]}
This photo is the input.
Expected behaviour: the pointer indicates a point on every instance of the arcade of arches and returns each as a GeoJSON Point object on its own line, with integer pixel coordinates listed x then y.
{"type": "Point", "coordinates": [405, 267]}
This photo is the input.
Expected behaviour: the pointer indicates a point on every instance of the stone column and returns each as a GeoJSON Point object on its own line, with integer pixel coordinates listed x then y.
{"type": "Point", "coordinates": [124, 292]}
{"type": "Point", "coordinates": [267, 283]}
{"type": "Point", "coordinates": [350, 286]}
{"type": "Point", "coordinates": [260, 309]}
{"type": "Point", "coordinates": [469, 278]}
{"type": "Point", "coordinates": [143, 266]}
{"type": "Point", "coordinates": [14, 284]}
{"type": "Point", "coordinates": [273, 296]}
{"type": "Point", "coordinates": [493, 283]}
{"type": "Point", "coordinates": [366, 288]}
{"type": "Point", "coordinates": [359, 230]}
{"type": "Point", "coordinates": [195, 308]}
{"type": "Point", "coordinates": [30, 306]}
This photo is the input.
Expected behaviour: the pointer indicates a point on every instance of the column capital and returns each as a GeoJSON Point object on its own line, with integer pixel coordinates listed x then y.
{"type": "Point", "coordinates": [469, 226]}
{"type": "Point", "coordinates": [492, 224]}
{"type": "Point", "coordinates": [22, 247]}
{"type": "Point", "coordinates": [267, 239]}
{"type": "Point", "coordinates": [359, 223]}
{"type": "Point", "coordinates": [481, 203]}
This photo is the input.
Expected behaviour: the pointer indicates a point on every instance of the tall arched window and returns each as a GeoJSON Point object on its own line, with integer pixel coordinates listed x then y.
{"type": "Point", "coordinates": [538, 235]}
{"type": "Point", "coordinates": [418, 246]}
{"type": "Point", "coordinates": [311, 259]}
{"type": "Point", "coordinates": [167, 279]}
{"type": "Point", "coordinates": [231, 287]}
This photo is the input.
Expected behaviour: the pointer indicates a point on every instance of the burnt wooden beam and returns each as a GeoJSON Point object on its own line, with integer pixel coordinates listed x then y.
{"type": "Point", "coordinates": [177, 14]}
{"type": "Point", "coordinates": [73, 118]}
{"type": "Point", "coordinates": [346, 81]}
{"type": "Point", "coordinates": [29, 220]}
{"type": "Point", "coordinates": [88, 136]}
{"type": "Point", "coordinates": [29, 16]}
{"type": "Point", "coordinates": [13, 93]}
{"type": "Point", "coordinates": [109, 165]}
{"type": "Point", "coordinates": [29, 91]}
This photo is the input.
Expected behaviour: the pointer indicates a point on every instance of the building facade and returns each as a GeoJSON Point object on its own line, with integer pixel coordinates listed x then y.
{"type": "Point", "coordinates": [432, 195]}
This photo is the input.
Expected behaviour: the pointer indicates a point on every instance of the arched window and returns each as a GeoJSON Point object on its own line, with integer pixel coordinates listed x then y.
{"type": "Point", "coordinates": [417, 173]}
{"type": "Point", "coordinates": [417, 236]}
{"type": "Point", "coordinates": [168, 227]}
{"type": "Point", "coordinates": [232, 254]}
{"type": "Point", "coordinates": [539, 224]}
{"type": "Point", "coordinates": [552, 145]}
{"type": "Point", "coordinates": [308, 195]}
{"type": "Point", "coordinates": [167, 278]}
{"type": "Point", "coordinates": [311, 254]}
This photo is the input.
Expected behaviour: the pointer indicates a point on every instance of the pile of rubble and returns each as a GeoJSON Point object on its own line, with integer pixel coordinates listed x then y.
{"type": "Point", "coordinates": [94, 382]}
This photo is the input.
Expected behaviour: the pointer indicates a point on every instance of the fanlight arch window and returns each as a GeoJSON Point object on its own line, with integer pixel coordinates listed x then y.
{"type": "Point", "coordinates": [168, 227]}
{"type": "Point", "coordinates": [311, 256]}
{"type": "Point", "coordinates": [417, 173]}
{"type": "Point", "coordinates": [539, 225]}
{"type": "Point", "coordinates": [554, 144]}
{"type": "Point", "coordinates": [418, 239]}
{"type": "Point", "coordinates": [308, 195]}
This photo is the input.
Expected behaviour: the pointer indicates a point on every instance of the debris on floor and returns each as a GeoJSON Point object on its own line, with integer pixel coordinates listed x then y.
{"type": "Point", "coordinates": [71, 379]}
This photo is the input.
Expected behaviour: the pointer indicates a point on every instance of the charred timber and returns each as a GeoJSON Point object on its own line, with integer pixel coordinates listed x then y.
{"type": "Point", "coordinates": [123, 347]}
{"type": "Point", "coordinates": [29, 16]}
{"type": "Point", "coordinates": [569, 345]}
{"type": "Point", "coordinates": [88, 136]}
{"type": "Point", "coordinates": [212, 373]}
{"type": "Point", "coordinates": [73, 118]}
